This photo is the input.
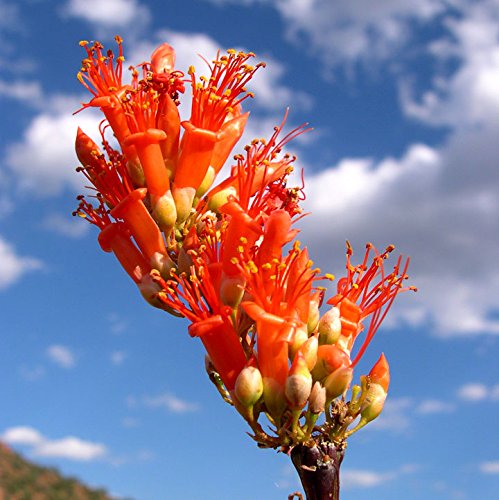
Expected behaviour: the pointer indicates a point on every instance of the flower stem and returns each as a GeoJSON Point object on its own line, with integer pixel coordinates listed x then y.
{"type": "Point", "coordinates": [319, 469]}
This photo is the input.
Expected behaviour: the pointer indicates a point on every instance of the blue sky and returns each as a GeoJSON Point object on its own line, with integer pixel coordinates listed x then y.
{"type": "Point", "coordinates": [404, 101]}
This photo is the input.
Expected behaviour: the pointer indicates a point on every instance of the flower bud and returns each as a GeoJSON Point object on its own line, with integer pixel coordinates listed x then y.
{"type": "Point", "coordinates": [164, 212]}
{"type": "Point", "coordinates": [317, 399]}
{"type": "Point", "coordinates": [231, 290]}
{"type": "Point", "coordinates": [207, 182]}
{"type": "Point", "coordinates": [373, 403]}
{"type": "Point", "coordinates": [380, 373]}
{"type": "Point", "coordinates": [309, 351]}
{"type": "Point", "coordinates": [378, 381]}
{"type": "Point", "coordinates": [299, 338]}
{"type": "Point", "coordinates": [149, 289]}
{"type": "Point", "coordinates": [163, 263]}
{"type": "Point", "coordinates": [329, 359]}
{"type": "Point", "coordinates": [330, 327]}
{"type": "Point", "coordinates": [136, 172]}
{"type": "Point", "coordinates": [273, 395]}
{"type": "Point", "coordinates": [220, 198]}
{"type": "Point", "coordinates": [299, 383]}
{"type": "Point", "coordinates": [313, 316]}
{"type": "Point", "coordinates": [249, 386]}
{"type": "Point", "coordinates": [163, 59]}
{"type": "Point", "coordinates": [338, 382]}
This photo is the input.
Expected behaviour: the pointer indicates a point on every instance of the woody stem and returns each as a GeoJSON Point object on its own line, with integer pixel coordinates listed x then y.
{"type": "Point", "coordinates": [319, 469]}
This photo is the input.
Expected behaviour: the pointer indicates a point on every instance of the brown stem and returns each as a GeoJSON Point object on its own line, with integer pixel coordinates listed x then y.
{"type": "Point", "coordinates": [319, 469]}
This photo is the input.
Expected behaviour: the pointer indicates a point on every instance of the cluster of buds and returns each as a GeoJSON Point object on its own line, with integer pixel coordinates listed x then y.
{"type": "Point", "coordinates": [215, 253]}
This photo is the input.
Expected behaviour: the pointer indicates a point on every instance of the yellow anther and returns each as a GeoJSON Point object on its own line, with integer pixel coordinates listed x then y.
{"type": "Point", "coordinates": [83, 43]}
{"type": "Point", "coordinates": [191, 70]}
{"type": "Point", "coordinates": [267, 266]}
{"type": "Point", "coordinates": [118, 39]}
{"type": "Point", "coordinates": [329, 276]}
{"type": "Point", "coordinates": [243, 239]}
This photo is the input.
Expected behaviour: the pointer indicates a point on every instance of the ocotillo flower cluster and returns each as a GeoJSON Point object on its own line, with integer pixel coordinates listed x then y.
{"type": "Point", "coordinates": [225, 256]}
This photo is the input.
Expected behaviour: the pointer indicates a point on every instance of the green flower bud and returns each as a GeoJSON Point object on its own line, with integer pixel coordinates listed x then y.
{"type": "Point", "coordinates": [330, 327]}
{"type": "Point", "coordinates": [317, 399]}
{"type": "Point", "coordinates": [338, 382]}
{"type": "Point", "coordinates": [299, 383]}
{"type": "Point", "coordinates": [249, 386]}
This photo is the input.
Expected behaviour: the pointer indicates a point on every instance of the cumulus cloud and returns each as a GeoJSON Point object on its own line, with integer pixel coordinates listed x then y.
{"type": "Point", "coordinates": [467, 96]}
{"type": "Point", "coordinates": [27, 92]}
{"type": "Point", "coordinates": [109, 14]}
{"type": "Point", "coordinates": [13, 266]}
{"type": "Point", "coordinates": [347, 32]}
{"type": "Point", "coordinates": [43, 162]}
{"type": "Point", "coordinates": [438, 204]}
{"type": "Point", "coordinates": [434, 406]}
{"type": "Point", "coordinates": [351, 478]}
{"type": "Point", "coordinates": [22, 435]}
{"type": "Point", "coordinates": [475, 392]}
{"type": "Point", "coordinates": [61, 355]}
{"type": "Point", "coordinates": [490, 467]}
{"type": "Point", "coordinates": [71, 448]}
{"type": "Point", "coordinates": [171, 403]}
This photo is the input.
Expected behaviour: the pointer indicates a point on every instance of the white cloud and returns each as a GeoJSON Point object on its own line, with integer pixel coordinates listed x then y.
{"type": "Point", "coordinates": [66, 225]}
{"type": "Point", "coordinates": [28, 92]}
{"type": "Point", "coordinates": [340, 32]}
{"type": "Point", "coordinates": [433, 406]}
{"type": "Point", "coordinates": [473, 392]}
{"type": "Point", "coordinates": [348, 32]}
{"type": "Point", "coordinates": [13, 266]}
{"type": "Point", "coordinates": [171, 403]}
{"type": "Point", "coordinates": [436, 204]}
{"type": "Point", "coordinates": [44, 162]}
{"type": "Point", "coordinates": [70, 447]}
{"type": "Point", "coordinates": [61, 355]}
{"type": "Point", "coordinates": [469, 95]}
{"type": "Point", "coordinates": [22, 436]}
{"type": "Point", "coordinates": [351, 478]}
{"type": "Point", "coordinates": [490, 467]}
{"type": "Point", "coordinates": [109, 14]}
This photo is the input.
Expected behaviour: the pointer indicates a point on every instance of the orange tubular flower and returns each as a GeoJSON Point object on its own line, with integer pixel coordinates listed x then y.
{"type": "Point", "coordinates": [274, 333]}
{"type": "Point", "coordinates": [111, 179]}
{"type": "Point", "coordinates": [214, 127]}
{"type": "Point", "coordinates": [196, 298]}
{"type": "Point", "coordinates": [223, 347]}
{"type": "Point", "coordinates": [140, 223]}
{"type": "Point", "coordinates": [102, 75]}
{"type": "Point", "coordinates": [358, 297]}
{"type": "Point", "coordinates": [116, 238]}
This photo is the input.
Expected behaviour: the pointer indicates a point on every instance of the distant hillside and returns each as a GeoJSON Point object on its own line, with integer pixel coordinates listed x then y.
{"type": "Point", "coordinates": [22, 480]}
